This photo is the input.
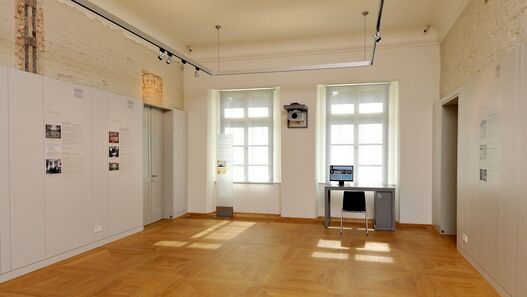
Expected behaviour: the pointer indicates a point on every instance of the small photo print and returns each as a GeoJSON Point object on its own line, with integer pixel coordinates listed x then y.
{"type": "Point", "coordinates": [114, 166]}
{"type": "Point", "coordinates": [113, 152]}
{"type": "Point", "coordinates": [483, 175]}
{"type": "Point", "coordinates": [53, 166]}
{"type": "Point", "coordinates": [113, 137]}
{"type": "Point", "coordinates": [53, 131]}
{"type": "Point", "coordinates": [483, 152]}
{"type": "Point", "coordinates": [221, 163]}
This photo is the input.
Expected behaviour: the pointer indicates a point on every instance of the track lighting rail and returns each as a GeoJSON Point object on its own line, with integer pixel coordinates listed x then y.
{"type": "Point", "coordinates": [166, 50]}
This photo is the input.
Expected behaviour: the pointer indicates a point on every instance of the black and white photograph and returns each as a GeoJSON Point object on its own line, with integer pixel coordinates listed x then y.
{"type": "Point", "coordinates": [114, 166]}
{"type": "Point", "coordinates": [113, 152]}
{"type": "Point", "coordinates": [113, 137]}
{"type": "Point", "coordinates": [53, 166]}
{"type": "Point", "coordinates": [53, 131]}
{"type": "Point", "coordinates": [483, 175]}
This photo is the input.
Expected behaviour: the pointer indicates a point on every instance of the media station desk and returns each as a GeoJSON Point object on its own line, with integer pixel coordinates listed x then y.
{"type": "Point", "coordinates": [384, 203]}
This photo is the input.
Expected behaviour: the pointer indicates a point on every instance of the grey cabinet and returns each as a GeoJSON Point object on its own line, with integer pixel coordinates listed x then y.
{"type": "Point", "coordinates": [384, 204]}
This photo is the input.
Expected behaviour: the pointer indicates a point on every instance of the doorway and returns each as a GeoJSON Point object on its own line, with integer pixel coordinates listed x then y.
{"type": "Point", "coordinates": [153, 165]}
{"type": "Point", "coordinates": [449, 157]}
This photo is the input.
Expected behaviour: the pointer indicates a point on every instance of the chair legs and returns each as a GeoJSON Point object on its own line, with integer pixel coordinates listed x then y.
{"type": "Point", "coordinates": [366, 220]}
{"type": "Point", "coordinates": [341, 219]}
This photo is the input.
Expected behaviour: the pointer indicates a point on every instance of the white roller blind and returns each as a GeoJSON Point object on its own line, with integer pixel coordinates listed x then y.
{"type": "Point", "coordinates": [248, 116]}
{"type": "Point", "coordinates": [357, 130]}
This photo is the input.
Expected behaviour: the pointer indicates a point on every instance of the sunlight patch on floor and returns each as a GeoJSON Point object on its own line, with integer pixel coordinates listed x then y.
{"type": "Point", "coordinates": [333, 256]}
{"type": "Point", "coordinates": [375, 247]}
{"type": "Point", "coordinates": [169, 243]}
{"type": "Point", "coordinates": [331, 244]}
{"type": "Point", "coordinates": [376, 259]}
{"type": "Point", "coordinates": [210, 229]}
{"type": "Point", "coordinates": [205, 246]}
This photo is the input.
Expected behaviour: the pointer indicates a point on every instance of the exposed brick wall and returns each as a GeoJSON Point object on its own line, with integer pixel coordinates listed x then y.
{"type": "Point", "coordinates": [7, 33]}
{"type": "Point", "coordinates": [81, 48]}
{"type": "Point", "coordinates": [20, 35]}
{"type": "Point", "coordinates": [152, 88]}
{"type": "Point", "coordinates": [481, 35]}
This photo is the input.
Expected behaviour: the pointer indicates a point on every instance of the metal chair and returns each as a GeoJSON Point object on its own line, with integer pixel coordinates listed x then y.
{"type": "Point", "coordinates": [354, 202]}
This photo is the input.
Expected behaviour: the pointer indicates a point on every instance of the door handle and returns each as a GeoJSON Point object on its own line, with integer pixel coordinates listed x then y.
{"type": "Point", "coordinates": [155, 175]}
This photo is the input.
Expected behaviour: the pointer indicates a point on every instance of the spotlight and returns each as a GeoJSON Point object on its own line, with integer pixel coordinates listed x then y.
{"type": "Point", "coordinates": [169, 59]}
{"type": "Point", "coordinates": [377, 37]}
{"type": "Point", "coordinates": [196, 74]}
{"type": "Point", "coordinates": [162, 54]}
{"type": "Point", "coordinates": [182, 67]}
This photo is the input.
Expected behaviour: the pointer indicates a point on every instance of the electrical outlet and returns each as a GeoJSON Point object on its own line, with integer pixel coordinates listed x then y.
{"type": "Point", "coordinates": [97, 229]}
{"type": "Point", "coordinates": [465, 238]}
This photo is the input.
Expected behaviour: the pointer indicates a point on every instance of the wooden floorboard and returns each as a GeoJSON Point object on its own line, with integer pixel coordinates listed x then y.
{"type": "Point", "coordinates": [202, 256]}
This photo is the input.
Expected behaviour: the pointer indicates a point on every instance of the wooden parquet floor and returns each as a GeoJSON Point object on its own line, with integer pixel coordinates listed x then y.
{"type": "Point", "coordinates": [244, 257]}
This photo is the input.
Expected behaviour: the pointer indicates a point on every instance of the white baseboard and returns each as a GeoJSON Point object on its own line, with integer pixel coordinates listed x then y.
{"type": "Point", "coordinates": [46, 262]}
{"type": "Point", "coordinates": [484, 273]}
{"type": "Point", "coordinates": [179, 214]}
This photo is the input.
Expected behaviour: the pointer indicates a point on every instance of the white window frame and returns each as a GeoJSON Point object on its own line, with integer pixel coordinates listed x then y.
{"type": "Point", "coordinates": [356, 119]}
{"type": "Point", "coordinates": [247, 123]}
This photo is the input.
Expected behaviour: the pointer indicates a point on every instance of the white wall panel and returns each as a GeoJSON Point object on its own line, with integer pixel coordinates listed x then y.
{"type": "Point", "coordinates": [26, 138]}
{"type": "Point", "coordinates": [507, 191]}
{"type": "Point", "coordinates": [175, 162]}
{"type": "Point", "coordinates": [5, 249]}
{"type": "Point", "coordinates": [67, 105]}
{"type": "Point", "coordinates": [98, 200]}
{"type": "Point", "coordinates": [125, 185]}
{"type": "Point", "coordinates": [521, 177]}
{"type": "Point", "coordinates": [494, 212]}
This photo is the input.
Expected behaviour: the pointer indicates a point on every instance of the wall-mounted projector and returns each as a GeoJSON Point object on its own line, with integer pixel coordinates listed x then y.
{"type": "Point", "coordinates": [296, 115]}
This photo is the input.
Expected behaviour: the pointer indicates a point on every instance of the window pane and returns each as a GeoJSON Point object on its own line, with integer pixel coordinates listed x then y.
{"type": "Point", "coordinates": [238, 135]}
{"type": "Point", "coordinates": [371, 107]}
{"type": "Point", "coordinates": [239, 155]}
{"type": "Point", "coordinates": [342, 108]}
{"type": "Point", "coordinates": [342, 134]}
{"type": "Point", "coordinates": [341, 155]}
{"type": "Point", "coordinates": [370, 155]}
{"type": "Point", "coordinates": [238, 174]}
{"type": "Point", "coordinates": [370, 133]}
{"type": "Point", "coordinates": [258, 112]}
{"type": "Point", "coordinates": [258, 136]}
{"type": "Point", "coordinates": [370, 174]}
{"type": "Point", "coordinates": [259, 174]}
{"type": "Point", "coordinates": [234, 113]}
{"type": "Point", "coordinates": [258, 155]}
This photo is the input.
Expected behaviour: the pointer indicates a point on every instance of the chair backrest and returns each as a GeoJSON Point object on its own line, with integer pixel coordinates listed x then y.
{"type": "Point", "coordinates": [354, 201]}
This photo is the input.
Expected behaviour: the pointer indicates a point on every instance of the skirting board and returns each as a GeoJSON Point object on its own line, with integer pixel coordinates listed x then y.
{"type": "Point", "coordinates": [483, 273]}
{"type": "Point", "coordinates": [46, 262]}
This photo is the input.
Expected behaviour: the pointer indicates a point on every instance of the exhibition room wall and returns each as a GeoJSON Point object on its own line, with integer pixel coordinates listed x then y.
{"type": "Point", "coordinates": [79, 47]}
{"type": "Point", "coordinates": [90, 80]}
{"type": "Point", "coordinates": [407, 57]}
{"type": "Point", "coordinates": [483, 62]}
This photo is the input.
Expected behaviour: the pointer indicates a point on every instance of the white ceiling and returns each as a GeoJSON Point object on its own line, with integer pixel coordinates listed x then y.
{"type": "Point", "coordinates": [191, 22]}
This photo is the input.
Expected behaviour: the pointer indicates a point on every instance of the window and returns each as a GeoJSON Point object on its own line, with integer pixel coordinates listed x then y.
{"type": "Point", "coordinates": [357, 130]}
{"type": "Point", "coordinates": [248, 116]}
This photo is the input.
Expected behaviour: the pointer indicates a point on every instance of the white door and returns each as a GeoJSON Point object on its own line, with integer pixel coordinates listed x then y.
{"type": "Point", "coordinates": [153, 164]}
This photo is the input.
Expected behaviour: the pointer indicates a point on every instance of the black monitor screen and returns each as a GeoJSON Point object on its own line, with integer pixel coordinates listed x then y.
{"type": "Point", "coordinates": [340, 173]}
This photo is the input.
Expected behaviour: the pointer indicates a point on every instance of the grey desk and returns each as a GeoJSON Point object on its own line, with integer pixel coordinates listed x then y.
{"type": "Point", "coordinates": [384, 203]}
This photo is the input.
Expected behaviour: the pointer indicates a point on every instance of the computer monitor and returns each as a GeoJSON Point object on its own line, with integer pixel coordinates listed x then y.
{"type": "Point", "coordinates": [341, 173]}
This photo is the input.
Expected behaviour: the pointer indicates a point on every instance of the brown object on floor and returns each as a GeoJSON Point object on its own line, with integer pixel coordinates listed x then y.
{"type": "Point", "coordinates": [211, 257]}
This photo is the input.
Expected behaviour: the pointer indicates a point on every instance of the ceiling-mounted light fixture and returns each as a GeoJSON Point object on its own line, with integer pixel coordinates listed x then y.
{"type": "Point", "coordinates": [169, 59]}
{"type": "Point", "coordinates": [162, 54]}
{"type": "Point", "coordinates": [87, 4]}
{"type": "Point", "coordinates": [196, 74]}
{"type": "Point", "coordinates": [218, 28]}
{"type": "Point", "coordinates": [182, 66]}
